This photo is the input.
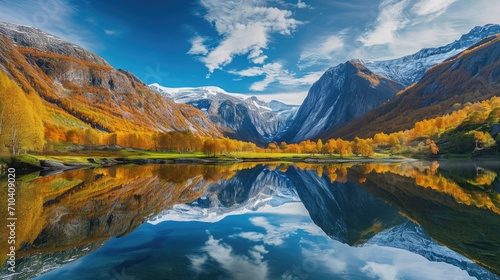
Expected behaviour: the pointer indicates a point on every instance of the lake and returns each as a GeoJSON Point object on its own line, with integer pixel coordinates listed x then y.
{"type": "Point", "coordinates": [407, 220]}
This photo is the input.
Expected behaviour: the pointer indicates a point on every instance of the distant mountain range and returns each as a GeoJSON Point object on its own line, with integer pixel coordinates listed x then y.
{"type": "Point", "coordinates": [471, 76]}
{"type": "Point", "coordinates": [348, 91]}
{"type": "Point", "coordinates": [245, 117]}
{"type": "Point", "coordinates": [79, 90]}
{"type": "Point", "coordinates": [410, 69]}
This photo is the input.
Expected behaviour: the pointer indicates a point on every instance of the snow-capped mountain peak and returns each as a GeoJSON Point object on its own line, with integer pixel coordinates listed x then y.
{"type": "Point", "coordinates": [250, 118]}
{"type": "Point", "coordinates": [410, 69]}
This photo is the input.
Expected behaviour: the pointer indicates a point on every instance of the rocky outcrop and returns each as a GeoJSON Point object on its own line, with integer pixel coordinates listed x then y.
{"type": "Point", "coordinates": [30, 37]}
{"type": "Point", "coordinates": [342, 94]}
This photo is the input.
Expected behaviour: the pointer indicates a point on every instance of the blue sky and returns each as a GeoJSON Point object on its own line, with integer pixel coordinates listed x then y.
{"type": "Point", "coordinates": [270, 48]}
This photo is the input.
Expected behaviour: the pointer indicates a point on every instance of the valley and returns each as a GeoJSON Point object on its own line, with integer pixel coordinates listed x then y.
{"type": "Point", "coordinates": [387, 165]}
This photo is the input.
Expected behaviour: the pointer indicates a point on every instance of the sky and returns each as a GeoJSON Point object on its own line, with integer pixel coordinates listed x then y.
{"type": "Point", "coordinates": [274, 49]}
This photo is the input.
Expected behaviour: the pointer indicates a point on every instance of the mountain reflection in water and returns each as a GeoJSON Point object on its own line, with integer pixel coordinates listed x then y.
{"type": "Point", "coordinates": [208, 221]}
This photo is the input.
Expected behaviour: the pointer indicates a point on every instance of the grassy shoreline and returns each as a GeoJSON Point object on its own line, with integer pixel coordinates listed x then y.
{"type": "Point", "coordinates": [101, 158]}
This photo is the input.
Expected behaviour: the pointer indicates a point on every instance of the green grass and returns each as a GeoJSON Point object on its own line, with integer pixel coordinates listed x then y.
{"type": "Point", "coordinates": [140, 154]}
{"type": "Point", "coordinates": [83, 156]}
{"type": "Point", "coordinates": [268, 155]}
{"type": "Point", "coordinates": [21, 161]}
{"type": "Point", "coordinates": [59, 119]}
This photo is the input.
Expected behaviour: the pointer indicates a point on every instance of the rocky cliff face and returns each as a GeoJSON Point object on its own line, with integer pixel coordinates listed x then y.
{"type": "Point", "coordinates": [30, 37]}
{"type": "Point", "coordinates": [343, 93]}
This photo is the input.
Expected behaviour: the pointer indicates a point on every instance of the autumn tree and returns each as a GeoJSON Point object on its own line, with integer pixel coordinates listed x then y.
{"type": "Point", "coordinates": [210, 147]}
{"type": "Point", "coordinates": [283, 146]}
{"type": "Point", "coordinates": [343, 147]}
{"type": "Point", "coordinates": [365, 149]}
{"type": "Point", "coordinates": [432, 146]}
{"type": "Point", "coordinates": [272, 146]}
{"type": "Point", "coordinates": [482, 139]}
{"type": "Point", "coordinates": [294, 148]}
{"type": "Point", "coordinates": [319, 146]}
{"type": "Point", "coordinates": [330, 146]}
{"type": "Point", "coordinates": [21, 123]}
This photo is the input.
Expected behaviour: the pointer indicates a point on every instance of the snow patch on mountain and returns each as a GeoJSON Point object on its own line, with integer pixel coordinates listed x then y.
{"type": "Point", "coordinates": [269, 190]}
{"type": "Point", "coordinates": [269, 119]}
{"type": "Point", "coordinates": [410, 69]}
{"type": "Point", "coordinates": [413, 238]}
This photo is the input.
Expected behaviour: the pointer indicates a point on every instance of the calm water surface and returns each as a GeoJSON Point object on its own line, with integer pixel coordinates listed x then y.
{"type": "Point", "coordinates": [414, 220]}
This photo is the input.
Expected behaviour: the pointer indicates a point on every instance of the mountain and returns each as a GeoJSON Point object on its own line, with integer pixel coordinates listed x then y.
{"type": "Point", "coordinates": [247, 118]}
{"type": "Point", "coordinates": [248, 191]}
{"type": "Point", "coordinates": [343, 211]}
{"type": "Point", "coordinates": [343, 93]}
{"type": "Point", "coordinates": [410, 69]}
{"type": "Point", "coordinates": [413, 238]}
{"type": "Point", "coordinates": [75, 90]}
{"type": "Point", "coordinates": [26, 36]}
{"type": "Point", "coordinates": [473, 75]}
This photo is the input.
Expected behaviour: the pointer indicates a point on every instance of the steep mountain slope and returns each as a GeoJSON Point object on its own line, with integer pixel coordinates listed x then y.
{"type": "Point", "coordinates": [410, 69]}
{"type": "Point", "coordinates": [248, 118]}
{"type": "Point", "coordinates": [473, 75]}
{"type": "Point", "coordinates": [78, 90]}
{"type": "Point", "coordinates": [343, 93]}
{"type": "Point", "coordinates": [26, 36]}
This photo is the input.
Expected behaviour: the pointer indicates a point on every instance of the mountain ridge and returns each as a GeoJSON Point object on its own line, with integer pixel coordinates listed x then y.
{"type": "Point", "coordinates": [410, 68]}
{"type": "Point", "coordinates": [77, 94]}
{"type": "Point", "coordinates": [343, 92]}
{"type": "Point", "coordinates": [470, 76]}
{"type": "Point", "coordinates": [247, 117]}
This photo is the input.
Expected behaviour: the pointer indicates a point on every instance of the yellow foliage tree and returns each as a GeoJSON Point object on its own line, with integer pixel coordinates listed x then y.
{"type": "Point", "coordinates": [21, 126]}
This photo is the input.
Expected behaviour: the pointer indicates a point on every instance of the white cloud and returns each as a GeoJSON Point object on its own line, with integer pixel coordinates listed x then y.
{"type": "Point", "coordinates": [250, 235]}
{"type": "Point", "coordinates": [390, 20]}
{"type": "Point", "coordinates": [327, 49]}
{"type": "Point", "coordinates": [110, 32]}
{"type": "Point", "coordinates": [403, 27]}
{"type": "Point", "coordinates": [432, 7]}
{"type": "Point", "coordinates": [197, 261]}
{"type": "Point", "coordinates": [238, 266]}
{"type": "Point", "coordinates": [54, 17]}
{"type": "Point", "coordinates": [391, 263]}
{"type": "Point", "coordinates": [276, 235]}
{"type": "Point", "coordinates": [380, 271]}
{"type": "Point", "coordinates": [244, 28]}
{"type": "Point", "coordinates": [275, 72]}
{"type": "Point", "coordinates": [294, 98]}
{"type": "Point", "coordinates": [302, 5]}
{"type": "Point", "coordinates": [197, 46]}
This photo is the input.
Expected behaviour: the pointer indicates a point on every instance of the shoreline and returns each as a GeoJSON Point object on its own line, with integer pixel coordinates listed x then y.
{"type": "Point", "coordinates": [65, 162]}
